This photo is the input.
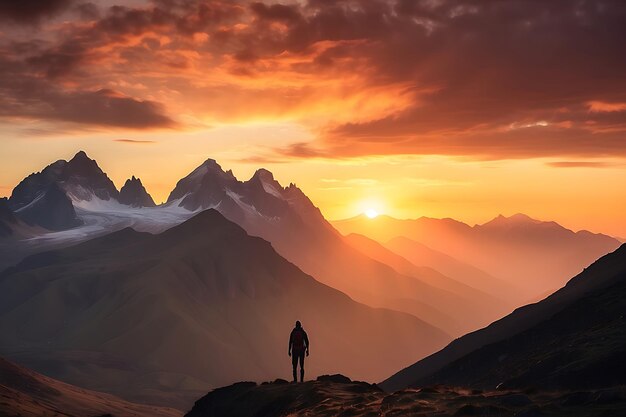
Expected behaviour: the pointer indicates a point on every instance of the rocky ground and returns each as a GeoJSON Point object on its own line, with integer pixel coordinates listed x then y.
{"type": "Point", "coordinates": [338, 396]}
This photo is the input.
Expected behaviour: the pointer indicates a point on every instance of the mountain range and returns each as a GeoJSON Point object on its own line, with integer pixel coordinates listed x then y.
{"type": "Point", "coordinates": [161, 318]}
{"type": "Point", "coordinates": [106, 290]}
{"type": "Point", "coordinates": [535, 257]}
{"type": "Point", "coordinates": [76, 201]}
{"type": "Point", "coordinates": [284, 216]}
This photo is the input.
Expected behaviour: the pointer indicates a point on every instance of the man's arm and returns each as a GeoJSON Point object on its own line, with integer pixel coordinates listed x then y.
{"type": "Point", "coordinates": [306, 341]}
{"type": "Point", "coordinates": [290, 341]}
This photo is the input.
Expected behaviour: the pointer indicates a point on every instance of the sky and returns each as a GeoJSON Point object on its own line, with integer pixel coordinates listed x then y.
{"type": "Point", "coordinates": [465, 109]}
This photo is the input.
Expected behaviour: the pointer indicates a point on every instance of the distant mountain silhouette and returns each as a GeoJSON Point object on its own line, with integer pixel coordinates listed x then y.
{"type": "Point", "coordinates": [573, 339]}
{"type": "Point", "coordinates": [134, 194]}
{"type": "Point", "coordinates": [420, 254]}
{"type": "Point", "coordinates": [469, 307]}
{"type": "Point", "coordinates": [162, 318]}
{"type": "Point", "coordinates": [26, 393]}
{"type": "Point", "coordinates": [534, 256]}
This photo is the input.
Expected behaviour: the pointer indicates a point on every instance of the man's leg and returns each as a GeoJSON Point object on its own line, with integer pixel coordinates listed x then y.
{"type": "Point", "coordinates": [294, 363]}
{"type": "Point", "coordinates": [302, 367]}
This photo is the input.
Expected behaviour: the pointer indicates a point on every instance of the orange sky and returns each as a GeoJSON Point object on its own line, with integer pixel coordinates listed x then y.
{"type": "Point", "coordinates": [463, 109]}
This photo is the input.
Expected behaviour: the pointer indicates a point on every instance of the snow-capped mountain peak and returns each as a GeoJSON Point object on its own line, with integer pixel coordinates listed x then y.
{"type": "Point", "coordinates": [266, 179]}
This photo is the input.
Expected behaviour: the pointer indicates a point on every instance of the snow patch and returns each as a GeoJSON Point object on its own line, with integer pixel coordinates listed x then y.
{"type": "Point", "coordinates": [32, 203]}
{"type": "Point", "coordinates": [271, 189]}
{"type": "Point", "coordinates": [247, 208]}
{"type": "Point", "coordinates": [105, 216]}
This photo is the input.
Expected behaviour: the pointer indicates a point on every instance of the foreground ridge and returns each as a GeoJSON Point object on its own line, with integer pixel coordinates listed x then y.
{"type": "Point", "coordinates": [337, 395]}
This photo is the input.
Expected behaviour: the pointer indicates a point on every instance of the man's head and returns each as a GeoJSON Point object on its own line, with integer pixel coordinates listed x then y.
{"type": "Point", "coordinates": [298, 324]}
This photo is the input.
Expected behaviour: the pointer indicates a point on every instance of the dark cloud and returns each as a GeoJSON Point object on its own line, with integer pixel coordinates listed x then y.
{"type": "Point", "coordinates": [31, 11]}
{"type": "Point", "coordinates": [276, 12]}
{"type": "Point", "coordinates": [493, 78]}
{"type": "Point", "coordinates": [25, 95]}
{"type": "Point", "coordinates": [475, 71]}
{"type": "Point", "coordinates": [118, 23]}
{"type": "Point", "coordinates": [87, 11]}
{"type": "Point", "coordinates": [58, 61]}
{"type": "Point", "coordinates": [108, 108]}
{"type": "Point", "coordinates": [43, 79]}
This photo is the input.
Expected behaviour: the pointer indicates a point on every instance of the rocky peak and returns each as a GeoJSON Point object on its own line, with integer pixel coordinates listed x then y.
{"type": "Point", "coordinates": [265, 179]}
{"type": "Point", "coordinates": [264, 175]}
{"type": "Point", "coordinates": [81, 165]}
{"type": "Point", "coordinates": [134, 194]}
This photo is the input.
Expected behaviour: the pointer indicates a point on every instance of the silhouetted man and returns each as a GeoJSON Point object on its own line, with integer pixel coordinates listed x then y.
{"type": "Point", "coordinates": [298, 345]}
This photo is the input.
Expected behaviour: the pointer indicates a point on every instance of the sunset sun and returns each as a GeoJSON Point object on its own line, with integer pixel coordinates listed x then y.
{"type": "Point", "coordinates": [371, 213]}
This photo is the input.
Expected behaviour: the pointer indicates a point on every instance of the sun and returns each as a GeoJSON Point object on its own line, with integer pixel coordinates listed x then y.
{"type": "Point", "coordinates": [371, 213]}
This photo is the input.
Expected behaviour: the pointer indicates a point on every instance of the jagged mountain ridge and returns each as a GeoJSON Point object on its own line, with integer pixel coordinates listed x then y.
{"type": "Point", "coordinates": [48, 198]}
{"type": "Point", "coordinates": [134, 194]}
{"type": "Point", "coordinates": [287, 218]}
{"type": "Point", "coordinates": [245, 202]}
{"type": "Point", "coordinates": [80, 177]}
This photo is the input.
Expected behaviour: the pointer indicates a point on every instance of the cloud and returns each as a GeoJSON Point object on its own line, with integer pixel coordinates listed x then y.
{"type": "Point", "coordinates": [108, 108]}
{"type": "Point", "coordinates": [276, 12]}
{"type": "Point", "coordinates": [602, 107]}
{"type": "Point", "coordinates": [31, 11]}
{"type": "Point", "coordinates": [480, 78]}
{"type": "Point", "coordinates": [479, 69]}
{"type": "Point", "coordinates": [24, 95]}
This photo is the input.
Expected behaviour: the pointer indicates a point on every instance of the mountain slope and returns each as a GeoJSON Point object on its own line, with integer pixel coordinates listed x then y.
{"type": "Point", "coordinates": [573, 338]}
{"type": "Point", "coordinates": [25, 393]}
{"type": "Point", "coordinates": [51, 209]}
{"type": "Point", "coordinates": [161, 318]}
{"type": "Point", "coordinates": [420, 254]}
{"type": "Point", "coordinates": [468, 301]}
